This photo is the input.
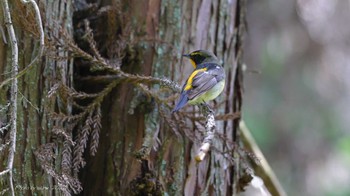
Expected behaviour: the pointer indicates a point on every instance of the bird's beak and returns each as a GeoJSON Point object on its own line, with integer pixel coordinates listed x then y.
{"type": "Point", "coordinates": [191, 60]}
{"type": "Point", "coordinates": [186, 55]}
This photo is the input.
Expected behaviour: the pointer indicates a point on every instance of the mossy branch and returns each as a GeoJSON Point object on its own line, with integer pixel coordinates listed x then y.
{"type": "Point", "coordinates": [208, 139]}
{"type": "Point", "coordinates": [13, 93]}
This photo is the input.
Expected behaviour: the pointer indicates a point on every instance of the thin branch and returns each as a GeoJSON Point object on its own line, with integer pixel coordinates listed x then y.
{"type": "Point", "coordinates": [27, 101]}
{"type": "Point", "coordinates": [219, 117]}
{"type": "Point", "coordinates": [4, 172]}
{"type": "Point", "coordinates": [97, 101]}
{"type": "Point", "coordinates": [4, 146]}
{"type": "Point", "coordinates": [92, 43]}
{"type": "Point", "coordinates": [209, 134]}
{"type": "Point", "coordinates": [2, 129]}
{"type": "Point", "coordinates": [41, 46]}
{"type": "Point", "coordinates": [95, 63]}
{"type": "Point", "coordinates": [5, 107]}
{"type": "Point", "coordinates": [39, 23]}
{"type": "Point", "coordinates": [100, 64]}
{"type": "Point", "coordinates": [152, 94]}
{"type": "Point", "coordinates": [14, 90]}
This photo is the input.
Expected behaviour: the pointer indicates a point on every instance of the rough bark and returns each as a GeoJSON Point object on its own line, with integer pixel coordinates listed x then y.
{"type": "Point", "coordinates": [169, 28]}
{"type": "Point", "coordinates": [34, 120]}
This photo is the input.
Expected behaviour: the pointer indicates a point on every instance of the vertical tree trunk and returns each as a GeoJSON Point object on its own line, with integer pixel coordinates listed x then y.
{"type": "Point", "coordinates": [35, 108]}
{"type": "Point", "coordinates": [161, 32]}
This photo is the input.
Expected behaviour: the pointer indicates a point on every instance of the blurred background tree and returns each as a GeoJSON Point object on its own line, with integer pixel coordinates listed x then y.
{"type": "Point", "coordinates": [298, 106]}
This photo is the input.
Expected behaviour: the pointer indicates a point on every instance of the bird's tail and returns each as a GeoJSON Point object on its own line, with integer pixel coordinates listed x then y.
{"type": "Point", "coordinates": [182, 102]}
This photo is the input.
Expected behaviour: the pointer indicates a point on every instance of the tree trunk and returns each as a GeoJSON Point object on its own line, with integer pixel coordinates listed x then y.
{"type": "Point", "coordinates": [35, 134]}
{"type": "Point", "coordinates": [161, 32]}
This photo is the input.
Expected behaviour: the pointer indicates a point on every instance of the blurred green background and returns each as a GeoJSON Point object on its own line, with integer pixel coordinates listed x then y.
{"type": "Point", "coordinates": [297, 91]}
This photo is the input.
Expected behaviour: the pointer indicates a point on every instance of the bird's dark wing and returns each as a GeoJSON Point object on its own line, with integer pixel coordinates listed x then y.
{"type": "Point", "coordinates": [205, 80]}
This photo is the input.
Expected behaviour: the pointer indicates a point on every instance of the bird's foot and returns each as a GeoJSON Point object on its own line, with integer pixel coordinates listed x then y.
{"type": "Point", "coordinates": [205, 108]}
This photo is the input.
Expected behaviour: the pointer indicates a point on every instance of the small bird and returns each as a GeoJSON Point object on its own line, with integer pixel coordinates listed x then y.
{"type": "Point", "coordinates": [205, 83]}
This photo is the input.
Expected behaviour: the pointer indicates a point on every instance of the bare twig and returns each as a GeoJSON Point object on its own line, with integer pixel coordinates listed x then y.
{"type": "Point", "coordinates": [209, 134]}
{"type": "Point", "coordinates": [14, 90]}
{"type": "Point", "coordinates": [4, 172]}
{"type": "Point", "coordinates": [219, 117]}
{"type": "Point", "coordinates": [41, 46]}
{"type": "Point", "coordinates": [2, 129]}
{"type": "Point", "coordinates": [3, 147]}
{"type": "Point", "coordinates": [100, 64]}
{"type": "Point", "coordinates": [5, 107]}
{"type": "Point", "coordinates": [39, 23]}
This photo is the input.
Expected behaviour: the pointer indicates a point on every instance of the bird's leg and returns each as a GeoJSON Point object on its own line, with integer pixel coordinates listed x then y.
{"type": "Point", "coordinates": [206, 108]}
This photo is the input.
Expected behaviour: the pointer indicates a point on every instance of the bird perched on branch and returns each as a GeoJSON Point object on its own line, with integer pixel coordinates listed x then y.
{"type": "Point", "coordinates": [205, 83]}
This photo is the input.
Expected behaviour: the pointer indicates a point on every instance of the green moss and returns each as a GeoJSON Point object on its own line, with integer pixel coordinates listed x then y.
{"type": "Point", "coordinates": [145, 185]}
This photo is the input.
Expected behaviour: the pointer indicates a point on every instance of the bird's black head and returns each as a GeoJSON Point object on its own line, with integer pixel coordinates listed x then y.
{"type": "Point", "coordinates": [201, 56]}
